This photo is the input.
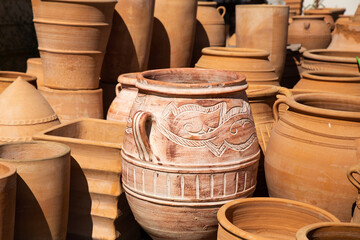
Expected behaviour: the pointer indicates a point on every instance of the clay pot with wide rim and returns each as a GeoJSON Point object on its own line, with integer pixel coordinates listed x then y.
{"type": "Point", "coordinates": [329, 231]}
{"type": "Point", "coordinates": [179, 115]}
{"type": "Point", "coordinates": [330, 14]}
{"type": "Point", "coordinates": [318, 131]}
{"type": "Point", "coordinates": [264, 27]}
{"type": "Point", "coordinates": [355, 170]}
{"type": "Point", "coordinates": [34, 67]}
{"type": "Point", "coordinates": [310, 31]}
{"type": "Point", "coordinates": [267, 218]}
{"type": "Point", "coordinates": [251, 62]}
{"type": "Point", "coordinates": [8, 77]}
{"type": "Point", "coordinates": [42, 192]}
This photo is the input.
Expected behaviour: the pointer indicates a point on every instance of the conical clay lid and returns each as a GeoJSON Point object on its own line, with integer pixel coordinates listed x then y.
{"type": "Point", "coordinates": [22, 104]}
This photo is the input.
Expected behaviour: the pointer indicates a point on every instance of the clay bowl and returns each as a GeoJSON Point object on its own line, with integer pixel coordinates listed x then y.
{"type": "Point", "coordinates": [329, 231]}
{"type": "Point", "coordinates": [267, 218]}
{"type": "Point", "coordinates": [8, 77]}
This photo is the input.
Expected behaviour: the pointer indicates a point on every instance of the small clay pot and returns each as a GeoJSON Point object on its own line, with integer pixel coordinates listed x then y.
{"type": "Point", "coordinates": [34, 67]}
{"type": "Point", "coordinates": [329, 231]}
{"type": "Point", "coordinates": [8, 77]}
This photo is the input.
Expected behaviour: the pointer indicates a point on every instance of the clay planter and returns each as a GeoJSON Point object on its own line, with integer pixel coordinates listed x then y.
{"type": "Point", "coordinates": [355, 170]}
{"type": "Point", "coordinates": [338, 82]}
{"type": "Point", "coordinates": [42, 192]}
{"type": "Point", "coordinates": [73, 104]}
{"type": "Point", "coordinates": [330, 14]}
{"type": "Point", "coordinates": [295, 5]}
{"type": "Point", "coordinates": [346, 36]}
{"type": "Point", "coordinates": [7, 201]}
{"type": "Point", "coordinates": [129, 43]}
{"type": "Point", "coordinates": [210, 28]}
{"type": "Point", "coordinates": [192, 112]}
{"type": "Point", "coordinates": [267, 218]}
{"type": "Point", "coordinates": [311, 31]}
{"type": "Point", "coordinates": [318, 131]}
{"type": "Point", "coordinates": [330, 60]}
{"type": "Point", "coordinates": [328, 231]}
{"type": "Point", "coordinates": [8, 77]}
{"type": "Point", "coordinates": [126, 93]}
{"type": "Point", "coordinates": [34, 67]}
{"type": "Point", "coordinates": [264, 27]}
{"type": "Point", "coordinates": [97, 207]}
{"type": "Point", "coordinates": [253, 63]}
{"type": "Point", "coordinates": [168, 47]}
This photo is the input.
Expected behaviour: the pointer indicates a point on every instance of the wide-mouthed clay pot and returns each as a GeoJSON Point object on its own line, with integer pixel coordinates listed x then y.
{"type": "Point", "coordinates": [8, 77]}
{"type": "Point", "coordinates": [355, 170]}
{"type": "Point", "coordinates": [130, 38]}
{"type": "Point", "coordinates": [253, 63]}
{"type": "Point", "coordinates": [311, 148]}
{"type": "Point", "coordinates": [267, 219]}
{"type": "Point", "coordinates": [42, 191]}
{"type": "Point", "coordinates": [179, 115]}
{"type": "Point", "coordinates": [7, 200]}
{"type": "Point", "coordinates": [265, 27]}
{"type": "Point", "coordinates": [330, 15]}
{"type": "Point", "coordinates": [98, 209]}
{"type": "Point", "coordinates": [34, 67]}
{"type": "Point", "coordinates": [329, 231]}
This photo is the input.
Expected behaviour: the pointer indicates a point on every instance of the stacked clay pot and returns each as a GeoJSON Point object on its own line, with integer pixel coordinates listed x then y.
{"type": "Point", "coordinates": [295, 5]}
{"type": "Point", "coordinates": [34, 67]}
{"type": "Point", "coordinates": [311, 148]}
{"type": "Point", "coordinates": [8, 77]}
{"type": "Point", "coordinates": [179, 115]}
{"type": "Point", "coordinates": [329, 231]}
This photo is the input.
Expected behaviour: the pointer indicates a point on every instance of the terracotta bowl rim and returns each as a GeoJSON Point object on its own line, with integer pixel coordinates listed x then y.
{"type": "Point", "coordinates": [69, 91]}
{"type": "Point", "coordinates": [210, 4]}
{"type": "Point", "coordinates": [303, 232]}
{"type": "Point", "coordinates": [262, 91]}
{"type": "Point", "coordinates": [30, 77]}
{"type": "Point", "coordinates": [236, 52]}
{"type": "Point", "coordinates": [335, 76]}
{"type": "Point", "coordinates": [36, 61]}
{"type": "Point", "coordinates": [128, 78]}
{"type": "Point", "coordinates": [86, 1]}
{"type": "Point", "coordinates": [314, 54]}
{"type": "Point", "coordinates": [261, 6]}
{"type": "Point", "coordinates": [308, 17]}
{"type": "Point", "coordinates": [11, 170]}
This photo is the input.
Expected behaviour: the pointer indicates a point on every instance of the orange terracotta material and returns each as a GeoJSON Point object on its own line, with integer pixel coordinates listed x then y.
{"type": "Point", "coordinates": [179, 115]}
{"type": "Point", "coordinates": [24, 112]}
{"type": "Point", "coordinates": [318, 131]}
{"type": "Point", "coordinates": [251, 62]}
{"type": "Point", "coordinates": [7, 200]}
{"type": "Point", "coordinates": [343, 18]}
{"type": "Point", "coordinates": [34, 67]}
{"type": "Point", "coordinates": [329, 231]}
{"type": "Point", "coordinates": [267, 218]}
{"type": "Point", "coordinates": [42, 192]}
{"type": "Point", "coordinates": [295, 5]}
{"type": "Point", "coordinates": [8, 77]}
{"type": "Point", "coordinates": [73, 104]}
{"type": "Point", "coordinates": [330, 14]}
{"type": "Point", "coordinates": [264, 27]}
{"type": "Point", "coordinates": [353, 175]}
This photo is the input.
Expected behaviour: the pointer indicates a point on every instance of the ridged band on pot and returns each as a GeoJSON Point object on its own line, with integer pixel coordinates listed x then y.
{"type": "Point", "coordinates": [267, 218]}
{"type": "Point", "coordinates": [8, 77]}
{"type": "Point", "coordinates": [34, 67]}
{"type": "Point", "coordinates": [251, 62]}
{"type": "Point", "coordinates": [43, 182]}
{"type": "Point", "coordinates": [329, 230]}
{"type": "Point", "coordinates": [318, 130]}
{"type": "Point", "coordinates": [355, 170]}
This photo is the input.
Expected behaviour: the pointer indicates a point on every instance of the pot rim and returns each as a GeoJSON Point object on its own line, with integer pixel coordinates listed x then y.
{"type": "Point", "coordinates": [314, 54]}
{"type": "Point", "coordinates": [67, 91]}
{"type": "Point", "coordinates": [262, 91]}
{"type": "Point", "coordinates": [29, 77]}
{"type": "Point", "coordinates": [207, 4]}
{"type": "Point", "coordinates": [309, 17]}
{"type": "Point", "coordinates": [10, 170]}
{"type": "Point", "coordinates": [236, 52]}
{"type": "Point", "coordinates": [262, 6]}
{"type": "Point", "coordinates": [234, 230]}
{"type": "Point", "coordinates": [34, 61]}
{"type": "Point", "coordinates": [84, 1]}
{"type": "Point", "coordinates": [333, 76]}
{"type": "Point", "coordinates": [128, 78]}
{"type": "Point", "coordinates": [304, 231]}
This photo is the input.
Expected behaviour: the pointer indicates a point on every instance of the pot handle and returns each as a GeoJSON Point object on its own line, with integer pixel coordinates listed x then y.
{"type": "Point", "coordinates": [118, 88]}
{"type": "Point", "coordinates": [354, 170]}
{"type": "Point", "coordinates": [276, 107]}
{"type": "Point", "coordinates": [223, 11]}
{"type": "Point", "coordinates": [306, 26]}
{"type": "Point", "coordinates": [284, 91]}
{"type": "Point", "coordinates": [140, 135]}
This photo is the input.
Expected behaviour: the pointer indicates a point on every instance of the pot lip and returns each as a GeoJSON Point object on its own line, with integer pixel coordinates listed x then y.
{"type": "Point", "coordinates": [36, 61]}
{"type": "Point", "coordinates": [128, 78]}
{"type": "Point", "coordinates": [207, 4]}
{"type": "Point", "coordinates": [309, 17]}
{"type": "Point", "coordinates": [65, 150]}
{"type": "Point", "coordinates": [231, 228]}
{"type": "Point", "coordinates": [236, 84]}
{"type": "Point", "coordinates": [261, 6]}
{"type": "Point", "coordinates": [30, 77]}
{"type": "Point", "coordinates": [84, 1]}
{"type": "Point", "coordinates": [10, 170]}
{"type": "Point", "coordinates": [332, 76]}
{"type": "Point", "coordinates": [260, 91]}
{"type": "Point", "coordinates": [304, 231]}
{"type": "Point", "coordinates": [235, 52]}
{"type": "Point", "coordinates": [314, 54]}
{"type": "Point", "coordinates": [67, 91]}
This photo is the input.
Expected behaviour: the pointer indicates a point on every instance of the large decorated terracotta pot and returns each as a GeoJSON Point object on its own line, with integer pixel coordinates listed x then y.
{"type": "Point", "coordinates": [311, 148]}
{"type": "Point", "coordinates": [190, 146]}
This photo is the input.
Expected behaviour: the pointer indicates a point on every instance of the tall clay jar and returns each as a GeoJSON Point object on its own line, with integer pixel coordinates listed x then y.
{"type": "Point", "coordinates": [178, 116]}
{"type": "Point", "coordinates": [173, 33]}
{"type": "Point", "coordinates": [43, 182]}
{"type": "Point", "coordinates": [264, 27]}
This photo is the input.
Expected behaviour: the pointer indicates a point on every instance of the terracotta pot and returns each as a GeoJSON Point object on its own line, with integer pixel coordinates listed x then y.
{"type": "Point", "coordinates": [24, 112]}
{"type": "Point", "coordinates": [319, 131]}
{"type": "Point", "coordinates": [8, 77]}
{"type": "Point", "coordinates": [330, 60]}
{"type": "Point", "coordinates": [168, 47]}
{"type": "Point", "coordinates": [330, 14]}
{"type": "Point", "coordinates": [193, 112]}
{"type": "Point", "coordinates": [126, 93]}
{"type": "Point", "coordinates": [264, 27]}
{"type": "Point", "coordinates": [339, 82]}
{"type": "Point", "coordinates": [97, 209]}
{"type": "Point", "coordinates": [71, 41]}
{"type": "Point", "coordinates": [267, 218]}
{"type": "Point", "coordinates": [7, 201]}
{"type": "Point", "coordinates": [295, 5]}
{"type": "Point", "coordinates": [210, 28]}
{"type": "Point", "coordinates": [129, 43]}
{"type": "Point", "coordinates": [346, 36]}
{"type": "Point", "coordinates": [109, 93]}
{"type": "Point", "coordinates": [232, 41]}
{"type": "Point", "coordinates": [311, 31]}
{"type": "Point", "coordinates": [73, 104]}
{"type": "Point", "coordinates": [327, 231]}
{"type": "Point", "coordinates": [355, 170]}
{"type": "Point", "coordinates": [253, 63]}
{"type": "Point", "coordinates": [34, 67]}
{"type": "Point", "coordinates": [43, 182]}
{"type": "Point", "coordinates": [343, 18]}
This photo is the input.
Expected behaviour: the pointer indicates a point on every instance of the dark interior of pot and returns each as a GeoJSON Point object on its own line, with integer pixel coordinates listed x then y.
{"type": "Point", "coordinates": [335, 233]}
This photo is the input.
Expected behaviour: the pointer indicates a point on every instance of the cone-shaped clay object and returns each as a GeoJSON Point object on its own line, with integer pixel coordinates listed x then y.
{"type": "Point", "coordinates": [24, 112]}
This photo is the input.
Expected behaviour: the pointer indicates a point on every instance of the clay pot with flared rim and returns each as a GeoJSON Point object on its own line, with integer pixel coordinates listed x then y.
{"type": "Point", "coordinates": [73, 104]}
{"type": "Point", "coordinates": [251, 62]}
{"type": "Point", "coordinates": [330, 14]}
{"type": "Point", "coordinates": [264, 27]}
{"type": "Point", "coordinates": [43, 183]}
{"type": "Point", "coordinates": [8, 77]}
{"type": "Point", "coordinates": [329, 231]}
{"type": "Point", "coordinates": [295, 5]}
{"type": "Point", "coordinates": [330, 60]}
{"type": "Point", "coordinates": [346, 36]}
{"type": "Point", "coordinates": [318, 130]}
{"type": "Point", "coordinates": [34, 67]}
{"type": "Point", "coordinates": [7, 200]}
{"type": "Point", "coordinates": [355, 170]}
{"type": "Point", "coordinates": [173, 33]}
{"type": "Point", "coordinates": [267, 218]}
{"type": "Point", "coordinates": [324, 81]}
{"type": "Point", "coordinates": [192, 112]}
{"type": "Point", "coordinates": [126, 93]}
{"type": "Point", "coordinates": [310, 31]}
